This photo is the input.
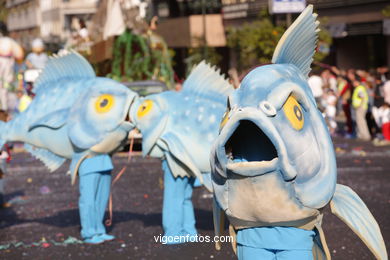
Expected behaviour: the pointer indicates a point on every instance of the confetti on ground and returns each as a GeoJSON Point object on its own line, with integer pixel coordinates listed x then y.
{"type": "Point", "coordinates": [43, 243]}
{"type": "Point", "coordinates": [340, 150]}
{"type": "Point", "coordinates": [18, 200]}
{"type": "Point", "coordinates": [44, 190]}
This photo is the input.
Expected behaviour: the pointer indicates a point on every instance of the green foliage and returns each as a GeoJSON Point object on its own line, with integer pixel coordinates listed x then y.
{"type": "Point", "coordinates": [254, 42]}
{"type": "Point", "coordinates": [386, 11]}
{"type": "Point", "coordinates": [134, 59]}
{"type": "Point", "coordinates": [3, 11]}
{"type": "Point", "coordinates": [324, 41]}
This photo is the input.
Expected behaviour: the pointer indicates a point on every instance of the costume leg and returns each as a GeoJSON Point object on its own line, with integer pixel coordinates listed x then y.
{"type": "Point", "coordinates": [252, 253]}
{"type": "Point", "coordinates": [189, 215]}
{"type": "Point", "coordinates": [294, 254]}
{"type": "Point", "coordinates": [102, 196]}
{"type": "Point", "coordinates": [174, 196]}
{"type": "Point", "coordinates": [88, 186]}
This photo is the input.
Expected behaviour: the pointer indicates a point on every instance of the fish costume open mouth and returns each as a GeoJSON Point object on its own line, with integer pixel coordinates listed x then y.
{"type": "Point", "coordinates": [273, 163]}
{"type": "Point", "coordinates": [244, 153]}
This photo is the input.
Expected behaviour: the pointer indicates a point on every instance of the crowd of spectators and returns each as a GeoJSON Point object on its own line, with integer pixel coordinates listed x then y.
{"type": "Point", "coordinates": [355, 103]}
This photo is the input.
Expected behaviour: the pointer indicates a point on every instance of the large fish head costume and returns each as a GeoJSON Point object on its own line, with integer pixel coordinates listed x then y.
{"type": "Point", "coordinates": [180, 127]}
{"type": "Point", "coordinates": [73, 115]}
{"type": "Point", "coordinates": [273, 126]}
{"type": "Point", "coordinates": [273, 163]}
{"type": "Point", "coordinates": [98, 118]}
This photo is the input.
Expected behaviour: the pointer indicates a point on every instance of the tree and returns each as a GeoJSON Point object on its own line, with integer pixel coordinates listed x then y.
{"type": "Point", "coordinates": [3, 11]}
{"type": "Point", "coordinates": [255, 42]}
{"type": "Point", "coordinates": [386, 11]}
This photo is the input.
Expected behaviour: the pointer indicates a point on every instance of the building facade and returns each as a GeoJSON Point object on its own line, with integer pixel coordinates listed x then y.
{"type": "Point", "coordinates": [358, 27]}
{"type": "Point", "coordinates": [52, 20]}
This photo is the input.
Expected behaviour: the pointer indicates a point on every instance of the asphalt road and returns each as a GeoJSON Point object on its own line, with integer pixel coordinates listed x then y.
{"type": "Point", "coordinates": [43, 222]}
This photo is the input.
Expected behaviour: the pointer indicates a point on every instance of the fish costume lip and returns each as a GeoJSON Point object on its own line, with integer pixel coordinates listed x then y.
{"type": "Point", "coordinates": [273, 163]}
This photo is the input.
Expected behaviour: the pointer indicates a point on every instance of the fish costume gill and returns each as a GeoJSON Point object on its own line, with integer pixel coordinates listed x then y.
{"type": "Point", "coordinates": [179, 128]}
{"type": "Point", "coordinates": [273, 163]}
{"type": "Point", "coordinates": [77, 116]}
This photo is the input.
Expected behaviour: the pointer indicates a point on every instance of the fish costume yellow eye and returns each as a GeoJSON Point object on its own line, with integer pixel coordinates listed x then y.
{"type": "Point", "coordinates": [294, 113]}
{"type": "Point", "coordinates": [145, 108]}
{"type": "Point", "coordinates": [104, 103]}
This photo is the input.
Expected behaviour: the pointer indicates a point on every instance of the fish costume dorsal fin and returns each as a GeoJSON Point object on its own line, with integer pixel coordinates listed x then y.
{"type": "Point", "coordinates": [71, 65]}
{"type": "Point", "coordinates": [207, 80]}
{"type": "Point", "coordinates": [297, 45]}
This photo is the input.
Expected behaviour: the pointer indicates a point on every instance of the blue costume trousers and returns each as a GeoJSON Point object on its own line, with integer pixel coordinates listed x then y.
{"type": "Point", "coordinates": [94, 194]}
{"type": "Point", "coordinates": [178, 213]}
{"type": "Point", "coordinates": [275, 243]}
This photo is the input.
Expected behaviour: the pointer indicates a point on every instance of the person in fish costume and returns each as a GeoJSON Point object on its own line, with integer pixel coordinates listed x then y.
{"type": "Point", "coordinates": [179, 128]}
{"type": "Point", "coordinates": [77, 116]}
{"type": "Point", "coordinates": [273, 163]}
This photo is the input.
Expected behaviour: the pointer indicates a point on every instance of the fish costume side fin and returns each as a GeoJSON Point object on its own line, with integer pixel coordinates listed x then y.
{"type": "Point", "coordinates": [71, 65]}
{"type": "Point", "coordinates": [207, 80]}
{"type": "Point", "coordinates": [176, 166]}
{"type": "Point", "coordinates": [178, 156]}
{"type": "Point", "coordinates": [54, 120]}
{"type": "Point", "coordinates": [348, 206]}
{"type": "Point", "coordinates": [51, 161]}
{"type": "Point", "coordinates": [153, 134]}
{"type": "Point", "coordinates": [297, 45]}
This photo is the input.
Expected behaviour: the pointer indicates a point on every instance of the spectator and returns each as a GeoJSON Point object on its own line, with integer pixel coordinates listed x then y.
{"type": "Point", "coordinates": [316, 84]}
{"type": "Point", "coordinates": [24, 101]}
{"type": "Point", "coordinates": [345, 94]}
{"type": "Point", "coordinates": [5, 156]}
{"type": "Point", "coordinates": [37, 58]}
{"type": "Point", "coordinates": [360, 105]}
{"type": "Point", "coordinates": [382, 118]}
{"type": "Point", "coordinates": [329, 80]}
{"type": "Point", "coordinates": [330, 110]}
{"type": "Point", "coordinates": [10, 51]}
{"type": "Point", "coordinates": [386, 92]}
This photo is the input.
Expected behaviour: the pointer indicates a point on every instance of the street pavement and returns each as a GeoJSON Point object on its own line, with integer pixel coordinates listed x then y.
{"type": "Point", "coordinates": [43, 222]}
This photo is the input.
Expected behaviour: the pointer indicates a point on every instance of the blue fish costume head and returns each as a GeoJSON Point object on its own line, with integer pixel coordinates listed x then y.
{"type": "Point", "coordinates": [181, 126]}
{"type": "Point", "coordinates": [73, 115]}
{"type": "Point", "coordinates": [273, 163]}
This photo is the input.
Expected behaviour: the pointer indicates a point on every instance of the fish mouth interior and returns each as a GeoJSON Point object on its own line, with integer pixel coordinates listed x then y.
{"type": "Point", "coordinates": [249, 143]}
